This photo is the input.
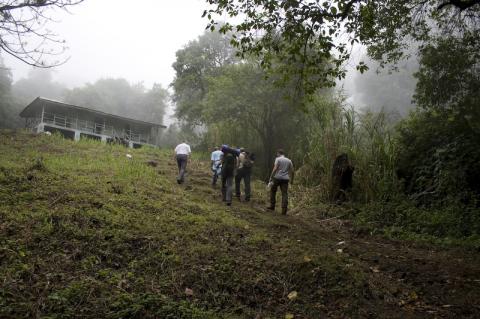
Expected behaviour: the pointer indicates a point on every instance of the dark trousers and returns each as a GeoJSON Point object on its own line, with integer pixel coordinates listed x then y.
{"type": "Point", "coordinates": [243, 173]}
{"type": "Point", "coordinates": [214, 178]}
{"type": "Point", "coordinates": [216, 173]}
{"type": "Point", "coordinates": [227, 187]}
{"type": "Point", "coordinates": [283, 183]}
{"type": "Point", "coordinates": [182, 165]}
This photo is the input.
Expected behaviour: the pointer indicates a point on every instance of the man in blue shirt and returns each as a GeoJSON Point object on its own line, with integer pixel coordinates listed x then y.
{"type": "Point", "coordinates": [216, 158]}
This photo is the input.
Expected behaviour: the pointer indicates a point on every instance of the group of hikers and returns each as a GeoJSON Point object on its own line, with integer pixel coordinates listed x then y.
{"type": "Point", "coordinates": [235, 164]}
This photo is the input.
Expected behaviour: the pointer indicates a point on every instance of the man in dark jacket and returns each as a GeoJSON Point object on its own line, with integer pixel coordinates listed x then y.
{"type": "Point", "coordinates": [229, 162]}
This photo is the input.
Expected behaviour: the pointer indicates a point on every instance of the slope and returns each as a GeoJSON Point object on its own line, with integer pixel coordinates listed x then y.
{"type": "Point", "coordinates": [86, 232]}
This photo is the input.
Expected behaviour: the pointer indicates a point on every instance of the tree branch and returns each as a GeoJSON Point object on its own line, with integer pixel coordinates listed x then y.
{"type": "Point", "coordinates": [40, 4]}
{"type": "Point", "coordinates": [460, 4]}
{"type": "Point", "coordinates": [24, 34]}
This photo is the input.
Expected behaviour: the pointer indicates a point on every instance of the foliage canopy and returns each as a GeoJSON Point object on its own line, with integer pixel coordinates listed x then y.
{"type": "Point", "coordinates": [23, 32]}
{"type": "Point", "coordinates": [118, 96]}
{"type": "Point", "coordinates": [311, 33]}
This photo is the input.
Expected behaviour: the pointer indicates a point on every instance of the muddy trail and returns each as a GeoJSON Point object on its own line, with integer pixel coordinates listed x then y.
{"type": "Point", "coordinates": [412, 280]}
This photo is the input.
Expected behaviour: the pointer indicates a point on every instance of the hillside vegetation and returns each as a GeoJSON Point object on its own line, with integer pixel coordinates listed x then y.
{"type": "Point", "coordinates": [86, 232]}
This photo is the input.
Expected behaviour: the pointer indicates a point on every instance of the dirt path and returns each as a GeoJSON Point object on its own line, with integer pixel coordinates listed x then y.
{"type": "Point", "coordinates": [425, 280]}
{"type": "Point", "coordinates": [413, 280]}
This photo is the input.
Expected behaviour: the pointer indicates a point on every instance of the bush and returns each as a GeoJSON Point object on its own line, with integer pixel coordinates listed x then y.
{"type": "Point", "coordinates": [439, 159]}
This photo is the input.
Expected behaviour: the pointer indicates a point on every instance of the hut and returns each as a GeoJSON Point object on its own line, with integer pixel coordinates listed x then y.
{"type": "Point", "coordinates": [76, 122]}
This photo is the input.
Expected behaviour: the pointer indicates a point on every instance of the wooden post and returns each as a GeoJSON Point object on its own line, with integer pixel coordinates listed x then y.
{"type": "Point", "coordinates": [40, 126]}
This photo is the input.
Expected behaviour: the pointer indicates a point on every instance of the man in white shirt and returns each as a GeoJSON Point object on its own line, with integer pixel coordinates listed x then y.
{"type": "Point", "coordinates": [182, 153]}
{"type": "Point", "coordinates": [216, 158]}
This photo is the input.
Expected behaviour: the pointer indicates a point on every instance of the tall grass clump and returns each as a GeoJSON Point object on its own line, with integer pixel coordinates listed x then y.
{"type": "Point", "coordinates": [416, 178]}
{"type": "Point", "coordinates": [334, 127]}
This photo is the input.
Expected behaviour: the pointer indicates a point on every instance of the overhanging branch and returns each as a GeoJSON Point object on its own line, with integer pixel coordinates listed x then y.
{"type": "Point", "coordinates": [460, 4]}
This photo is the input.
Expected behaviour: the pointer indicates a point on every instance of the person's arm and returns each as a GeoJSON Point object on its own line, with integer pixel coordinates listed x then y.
{"type": "Point", "coordinates": [275, 168]}
{"type": "Point", "coordinates": [189, 154]}
{"type": "Point", "coordinates": [292, 173]}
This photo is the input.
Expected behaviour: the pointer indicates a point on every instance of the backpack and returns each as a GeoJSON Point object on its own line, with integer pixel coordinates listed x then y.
{"type": "Point", "coordinates": [228, 165]}
{"type": "Point", "coordinates": [248, 160]}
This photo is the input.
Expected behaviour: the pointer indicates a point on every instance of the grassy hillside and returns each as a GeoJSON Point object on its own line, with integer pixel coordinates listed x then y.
{"type": "Point", "coordinates": [86, 232]}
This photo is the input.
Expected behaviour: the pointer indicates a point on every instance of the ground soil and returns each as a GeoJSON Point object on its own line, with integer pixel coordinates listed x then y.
{"type": "Point", "coordinates": [415, 280]}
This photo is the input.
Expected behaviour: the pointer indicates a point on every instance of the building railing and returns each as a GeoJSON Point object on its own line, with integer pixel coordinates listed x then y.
{"type": "Point", "coordinates": [91, 127]}
{"type": "Point", "coordinates": [32, 122]}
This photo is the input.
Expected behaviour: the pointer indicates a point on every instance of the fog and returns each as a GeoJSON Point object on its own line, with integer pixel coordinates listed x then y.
{"type": "Point", "coordinates": [137, 41]}
{"type": "Point", "coordinates": [121, 39]}
{"type": "Point", "coordinates": [389, 89]}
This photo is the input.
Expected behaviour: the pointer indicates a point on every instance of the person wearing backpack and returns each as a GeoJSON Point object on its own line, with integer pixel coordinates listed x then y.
{"type": "Point", "coordinates": [229, 162]}
{"type": "Point", "coordinates": [244, 171]}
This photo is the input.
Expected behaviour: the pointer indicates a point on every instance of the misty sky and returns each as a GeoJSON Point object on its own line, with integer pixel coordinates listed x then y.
{"type": "Point", "coordinates": [136, 40]}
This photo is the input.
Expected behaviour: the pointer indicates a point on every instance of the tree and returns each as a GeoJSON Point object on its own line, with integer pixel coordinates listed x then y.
{"type": "Point", "coordinates": [449, 78]}
{"type": "Point", "coordinates": [153, 104]}
{"type": "Point", "coordinates": [119, 97]}
{"type": "Point", "coordinates": [39, 82]}
{"type": "Point", "coordinates": [15, 96]}
{"type": "Point", "coordinates": [23, 32]}
{"type": "Point", "coordinates": [8, 108]}
{"type": "Point", "coordinates": [316, 34]}
{"type": "Point", "coordinates": [439, 144]}
{"type": "Point", "coordinates": [250, 110]}
{"type": "Point", "coordinates": [198, 60]}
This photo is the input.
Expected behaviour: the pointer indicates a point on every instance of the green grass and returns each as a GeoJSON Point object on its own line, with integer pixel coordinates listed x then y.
{"type": "Point", "coordinates": [448, 226]}
{"type": "Point", "coordinates": [86, 232]}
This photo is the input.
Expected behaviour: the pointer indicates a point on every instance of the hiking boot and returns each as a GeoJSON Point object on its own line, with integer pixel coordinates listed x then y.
{"type": "Point", "coordinates": [270, 208]}
{"type": "Point", "coordinates": [229, 204]}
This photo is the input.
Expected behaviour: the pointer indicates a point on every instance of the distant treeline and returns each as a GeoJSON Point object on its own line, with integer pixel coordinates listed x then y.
{"type": "Point", "coordinates": [116, 96]}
